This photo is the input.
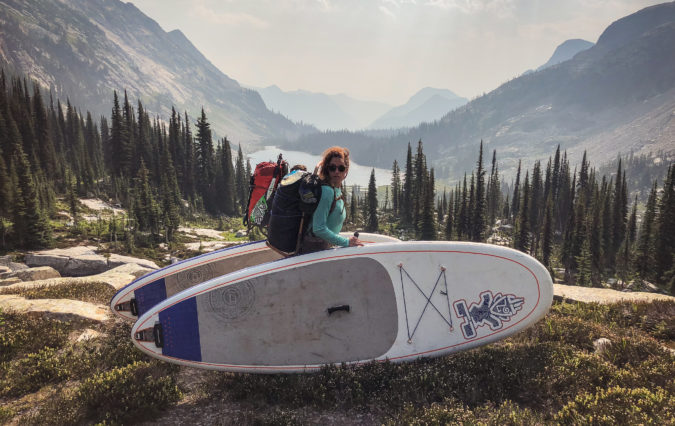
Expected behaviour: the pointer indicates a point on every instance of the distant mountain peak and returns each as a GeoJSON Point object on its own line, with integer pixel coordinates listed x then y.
{"type": "Point", "coordinates": [566, 51]}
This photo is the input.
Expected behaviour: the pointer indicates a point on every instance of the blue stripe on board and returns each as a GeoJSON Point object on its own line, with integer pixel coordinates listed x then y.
{"type": "Point", "coordinates": [149, 295]}
{"type": "Point", "coordinates": [183, 261]}
{"type": "Point", "coordinates": [180, 327]}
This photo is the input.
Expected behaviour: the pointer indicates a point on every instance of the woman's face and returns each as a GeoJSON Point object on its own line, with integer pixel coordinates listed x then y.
{"type": "Point", "coordinates": [337, 171]}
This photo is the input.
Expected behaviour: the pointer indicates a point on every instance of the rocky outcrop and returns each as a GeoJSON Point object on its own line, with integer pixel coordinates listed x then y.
{"type": "Point", "coordinates": [572, 293]}
{"type": "Point", "coordinates": [61, 309]}
{"type": "Point", "coordinates": [81, 261]}
{"type": "Point", "coordinates": [8, 263]}
{"type": "Point", "coordinates": [116, 278]}
{"type": "Point", "coordinates": [39, 273]}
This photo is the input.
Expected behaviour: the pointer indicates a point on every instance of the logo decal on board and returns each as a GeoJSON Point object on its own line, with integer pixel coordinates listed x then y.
{"type": "Point", "coordinates": [232, 301]}
{"type": "Point", "coordinates": [492, 310]}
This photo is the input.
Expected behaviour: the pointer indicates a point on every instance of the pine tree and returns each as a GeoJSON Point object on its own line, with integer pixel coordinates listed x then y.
{"type": "Point", "coordinates": [522, 241]}
{"type": "Point", "coordinates": [547, 237]}
{"type": "Point", "coordinates": [30, 225]}
{"type": "Point", "coordinates": [644, 259]}
{"type": "Point", "coordinates": [204, 161]}
{"type": "Point", "coordinates": [371, 219]}
{"type": "Point", "coordinates": [146, 210]}
{"type": "Point", "coordinates": [478, 213]}
{"type": "Point", "coordinates": [395, 189]}
{"type": "Point", "coordinates": [354, 207]}
{"type": "Point", "coordinates": [227, 186]}
{"type": "Point", "coordinates": [241, 180]}
{"type": "Point", "coordinates": [407, 198]}
{"type": "Point", "coordinates": [449, 221]}
{"type": "Point", "coordinates": [427, 224]}
{"type": "Point", "coordinates": [515, 204]}
{"type": "Point", "coordinates": [664, 241]}
{"type": "Point", "coordinates": [619, 211]}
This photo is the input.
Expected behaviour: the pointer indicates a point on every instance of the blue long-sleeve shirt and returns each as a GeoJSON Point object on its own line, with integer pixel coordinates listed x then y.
{"type": "Point", "coordinates": [327, 225]}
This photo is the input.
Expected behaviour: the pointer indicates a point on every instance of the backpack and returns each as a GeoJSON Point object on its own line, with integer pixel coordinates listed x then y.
{"type": "Point", "coordinates": [257, 212]}
{"type": "Point", "coordinates": [295, 201]}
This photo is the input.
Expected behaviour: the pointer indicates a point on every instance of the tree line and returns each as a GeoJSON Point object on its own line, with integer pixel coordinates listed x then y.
{"type": "Point", "coordinates": [572, 220]}
{"type": "Point", "coordinates": [160, 172]}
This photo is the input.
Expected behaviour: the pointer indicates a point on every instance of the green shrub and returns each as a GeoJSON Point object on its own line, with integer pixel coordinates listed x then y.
{"type": "Point", "coordinates": [454, 412]}
{"type": "Point", "coordinates": [654, 372]}
{"type": "Point", "coordinates": [93, 292]}
{"type": "Point", "coordinates": [29, 374]}
{"type": "Point", "coordinates": [6, 414]}
{"type": "Point", "coordinates": [22, 334]}
{"type": "Point", "coordinates": [134, 392]}
{"type": "Point", "coordinates": [619, 406]}
{"type": "Point", "coordinates": [632, 350]}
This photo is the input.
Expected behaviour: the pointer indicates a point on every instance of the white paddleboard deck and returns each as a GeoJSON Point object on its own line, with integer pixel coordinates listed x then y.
{"type": "Point", "coordinates": [147, 291]}
{"type": "Point", "coordinates": [395, 302]}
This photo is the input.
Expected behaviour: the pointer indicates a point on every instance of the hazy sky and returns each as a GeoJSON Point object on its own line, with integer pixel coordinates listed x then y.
{"type": "Point", "coordinates": [383, 50]}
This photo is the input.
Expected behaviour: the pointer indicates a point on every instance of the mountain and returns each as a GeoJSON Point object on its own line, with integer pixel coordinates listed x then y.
{"type": "Point", "coordinates": [566, 51]}
{"type": "Point", "coordinates": [85, 49]}
{"type": "Point", "coordinates": [321, 110]}
{"type": "Point", "coordinates": [426, 105]}
{"type": "Point", "coordinates": [616, 97]}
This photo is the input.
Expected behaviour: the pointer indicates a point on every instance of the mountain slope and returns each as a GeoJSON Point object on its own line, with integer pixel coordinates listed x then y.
{"type": "Point", "coordinates": [426, 105]}
{"type": "Point", "coordinates": [615, 97]}
{"type": "Point", "coordinates": [85, 49]}
{"type": "Point", "coordinates": [321, 110]}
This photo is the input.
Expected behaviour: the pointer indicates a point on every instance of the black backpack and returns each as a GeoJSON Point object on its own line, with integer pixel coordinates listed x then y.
{"type": "Point", "coordinates": [294, 203]}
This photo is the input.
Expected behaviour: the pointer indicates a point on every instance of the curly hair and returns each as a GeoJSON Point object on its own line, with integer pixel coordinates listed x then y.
{"type": "Point", "coordinates": [328, 155]}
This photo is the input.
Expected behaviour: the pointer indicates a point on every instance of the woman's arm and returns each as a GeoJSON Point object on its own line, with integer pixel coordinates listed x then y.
{"type": "Point", "coordinates": [320, 219]}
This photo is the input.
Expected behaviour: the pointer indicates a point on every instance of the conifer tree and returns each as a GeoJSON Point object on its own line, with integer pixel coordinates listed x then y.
{"type": "Point", "coordinates": [395, 189]}
{"type": "Point", "coordinates": [478, 213]}
{"type": "Point", "coordinates": [407, 198]}
{"type": "Point", "coordinates": [354, 207]}
{"type": "Point", "coordinates": [450, 219]}
{"type": "Point", "coordinates": [146, 210]}
{"type": "Point", "coordinates": [463, 217]}
{"type": "Point", "coordinates": [522, 240]}
{"type": "Point", "coordinates": [241, 180]}
{"type": "Point", "coordinates": [227, 188]}
{"type": "Point", "coordinates": [30, 225]}
{"type": "Point", "coordinates": [664, 241]}
{"type": "Point", "coordinates": [515, 204]}
{"type": "Point", "coordinates": [547, 237]}
{"type": "Point", "coordinates": [427, 224]}
{"type": "Point", "coordinates": [419, 183]}
{"type": "Point", "coordinates": [619, 212]}
{"type": "Point", "coordinates": [644, 259]}
{"type": "Point", "coordinates": [371, 219]}
{"type": "Point", "coordinates": [204, 161]}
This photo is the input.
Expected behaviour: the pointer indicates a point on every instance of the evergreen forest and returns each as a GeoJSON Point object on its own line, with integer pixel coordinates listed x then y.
{"type": "Point", "coordinates": [588, 225]}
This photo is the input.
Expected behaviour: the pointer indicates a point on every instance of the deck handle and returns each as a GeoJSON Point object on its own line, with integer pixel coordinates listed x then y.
{"type": "Point", "coordinates": [338, 308]}
{"type": "Point", "coordinates": [158, 335]}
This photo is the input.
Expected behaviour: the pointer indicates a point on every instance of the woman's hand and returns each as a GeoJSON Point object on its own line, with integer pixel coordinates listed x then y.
{"type": "Point", "coordinates": [354, 241]}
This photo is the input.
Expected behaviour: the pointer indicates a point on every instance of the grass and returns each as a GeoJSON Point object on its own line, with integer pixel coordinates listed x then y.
{"type": "Point", "coordinates": [547, 374]}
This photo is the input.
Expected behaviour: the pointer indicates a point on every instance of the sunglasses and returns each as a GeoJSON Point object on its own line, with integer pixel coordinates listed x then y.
{"type": "Point", "coordinates": [333, 168]}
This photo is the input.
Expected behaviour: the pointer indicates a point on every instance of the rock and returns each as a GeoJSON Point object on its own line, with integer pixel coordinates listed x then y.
{"type": "Point", "coordinates": [603, 295]}
{"type": "Point", "coordinates": [10, 281]}
{"type": "Point", "coordinates": [7, 274]}
{"type": "Point", "coordinates": [8, 262]}
{"type": "Point", "coordinates": [241, 233]}
{"type": "Point", "coordinates": [601, 345]}
{"type": "Point", "coordinates": [39, 273]}
{"type": "Point", "coordinates": [116, 260]}
{"type": "Point", "coordinates": [88, 334]}
{"type": "Point", "coordinates": [4, 269]}
{"type": "Point", "coordinates": [61, 309]}
{"type": "Point", "coordinates": [202, 232]}
{"type": "Point", "coordinates": [82, 261]}
{"type": "Point", "coordinates": [208, 246]}
{"type": "Point", "coordinates": [116, 278]}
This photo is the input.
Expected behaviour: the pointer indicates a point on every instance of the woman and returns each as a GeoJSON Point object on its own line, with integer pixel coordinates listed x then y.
{"type": "Point", "coordinates": [330, 213]}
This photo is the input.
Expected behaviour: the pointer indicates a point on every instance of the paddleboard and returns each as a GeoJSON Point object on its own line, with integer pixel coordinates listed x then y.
{"type": "Point", "coordinates": [396, 302]}
{"type": "Point", "coordinates": [145, 292]}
